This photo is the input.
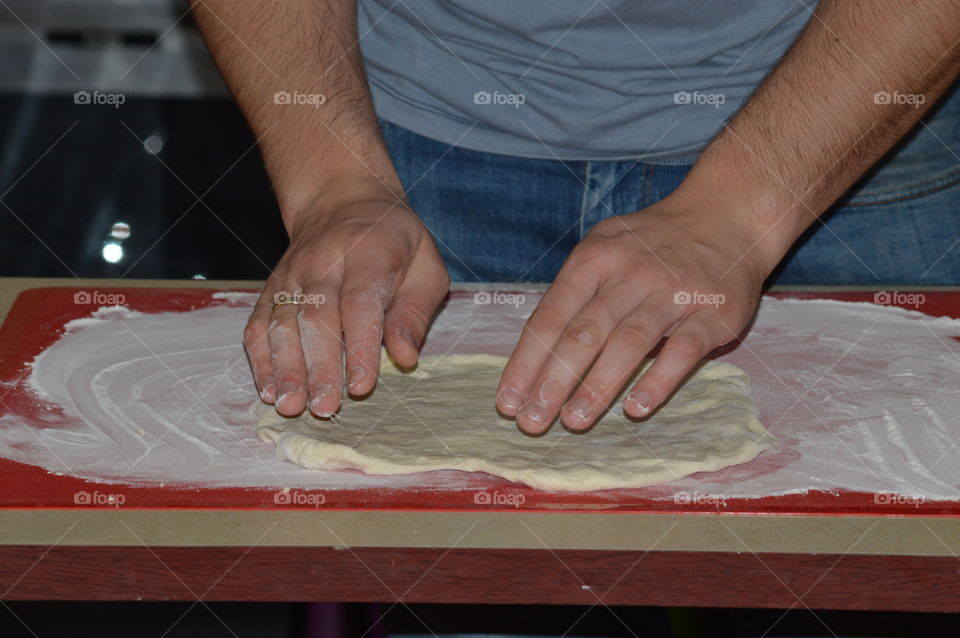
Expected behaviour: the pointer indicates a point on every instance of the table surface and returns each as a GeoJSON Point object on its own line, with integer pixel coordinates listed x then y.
{"type": "Point", "coordinates": [715, 558]}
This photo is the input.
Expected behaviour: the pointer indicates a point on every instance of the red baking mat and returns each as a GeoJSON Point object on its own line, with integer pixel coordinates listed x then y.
{"type": "Point", "coordinates": [37, 318]}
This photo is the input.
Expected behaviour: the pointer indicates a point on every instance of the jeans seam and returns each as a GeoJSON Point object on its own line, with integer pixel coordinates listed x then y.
{"type": "Point", "coordinates": [648, 180]}
{"type": "Point", "coordinates": [583, 198]}
{"type": "Point", "coordinates": [952, 181]}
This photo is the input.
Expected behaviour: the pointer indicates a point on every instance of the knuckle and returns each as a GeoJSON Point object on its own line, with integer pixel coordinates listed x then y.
{"type": "Point", "coordinates": [630, 336]}
{"type": "Point", "coordinates": [591, 249]}
{"type": "Point", "coordinates": [546, 320]}
{"type": "Point", "coordinates": [354, 297]}
{"type": "Point", "coordinates": [584, 332]}
{"type": "Point", "coordinates": [252, 332]}
{"type": "Point", "coordinates": [418, 311]}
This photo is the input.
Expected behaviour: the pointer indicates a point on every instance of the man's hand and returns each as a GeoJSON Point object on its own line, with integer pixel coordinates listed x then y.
{"type": "Point", "coordinates": [675, 269]}
{"type": "Point", "coordinates": [368, 271]}
{"type": "Point", "coordinates": [808, 132]}
{"type": "Point", "coordinates": [360, 262]}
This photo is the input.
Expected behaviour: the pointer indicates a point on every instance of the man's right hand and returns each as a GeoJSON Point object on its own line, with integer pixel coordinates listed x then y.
{"type": "Point", "coordinates": [364, 273]}
{"type": "Point", "coordinates": [358, 247]}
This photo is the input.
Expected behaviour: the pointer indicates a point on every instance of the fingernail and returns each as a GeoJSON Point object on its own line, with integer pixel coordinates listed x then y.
{"type": "Point", "coordinates": [535, 411]}
{"type": "Point", "coordinates": [408, 336]}
{"type": "Point", "coordinates": [579, 408]}
{"type": "Point", "coordinates": [285, 390]}
{"type": "Point", "coordinates": [269, 392]}
{"type": "Point", "coordinates": [510, 398]}
{"type": "Point", "coordinates": [320, 393]}
{"type": "Point", "coordinates": [355, 376]}
{"type": "Point", "coordinates": [315, 409]}
{"type": "Point", "coordinates": [640, 402]}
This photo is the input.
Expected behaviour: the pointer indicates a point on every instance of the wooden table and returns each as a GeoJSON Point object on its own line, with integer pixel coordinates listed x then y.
{"type": "Point", "coordinates": [715, 559]}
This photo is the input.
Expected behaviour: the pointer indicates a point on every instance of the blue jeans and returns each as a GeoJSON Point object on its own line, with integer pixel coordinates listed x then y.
{"type": "Point", "coordinates": [504, 218]}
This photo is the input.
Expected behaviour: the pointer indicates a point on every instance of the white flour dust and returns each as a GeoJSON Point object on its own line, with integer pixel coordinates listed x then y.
{"type": "Point", "coordinates": [861, 397]}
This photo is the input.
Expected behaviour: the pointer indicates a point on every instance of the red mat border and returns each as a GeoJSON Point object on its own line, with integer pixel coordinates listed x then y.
{"type": "Point", "coordinates": [36, 320]}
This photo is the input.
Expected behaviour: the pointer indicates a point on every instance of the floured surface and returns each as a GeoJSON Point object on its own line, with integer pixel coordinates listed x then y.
{"type": "Point", "coordinates": [441, 416]}
{"type": "Point", "coordinates": [860, 397]}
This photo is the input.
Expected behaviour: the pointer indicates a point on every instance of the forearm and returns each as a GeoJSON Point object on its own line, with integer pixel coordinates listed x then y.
{"type": "Point", "coordinates": [815, 124]}
{"type": "Point", "coordinates": [317, 154]}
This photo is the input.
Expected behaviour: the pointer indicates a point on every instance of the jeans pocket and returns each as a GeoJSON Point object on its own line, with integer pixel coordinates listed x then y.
{"type": "Point", "coordinates": [898, 192]}
{"type": "Point", "coordinates": [922, 162]}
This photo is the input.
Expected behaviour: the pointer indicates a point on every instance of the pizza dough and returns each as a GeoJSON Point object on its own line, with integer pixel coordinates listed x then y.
{"type": "Point", "coordinates": [442, 417]}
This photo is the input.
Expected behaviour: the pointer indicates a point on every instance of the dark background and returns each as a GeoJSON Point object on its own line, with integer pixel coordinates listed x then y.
{"type": "Point", "coordinates": [69, 172]}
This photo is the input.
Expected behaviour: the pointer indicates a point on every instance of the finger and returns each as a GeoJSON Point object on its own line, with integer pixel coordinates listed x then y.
{"type": "Point", "coordinates": [412, 309]}
{"type": "Point", "coordinates": [363, 301]}
{"type": "Point", "coordinates": [572, 355]}
{"type": "Point", "coordinates": [256, 341]}
{"type": "Point", "coordinates": [562, 301]}
{"type": "Point", "coordinates": [691, 340]}
{"type": "Point", "coordinates": [289, 370]}
{"type": "Point", "coordinates": [322, 343]}
{"type": "Point", "coordinates": [623, 352]}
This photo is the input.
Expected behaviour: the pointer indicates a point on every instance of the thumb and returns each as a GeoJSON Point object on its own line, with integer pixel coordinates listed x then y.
{"type": "Point", "coordinates": [410, 313]}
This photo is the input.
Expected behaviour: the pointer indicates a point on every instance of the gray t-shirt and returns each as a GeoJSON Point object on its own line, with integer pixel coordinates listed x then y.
{"type": "Point", "coordinates": [611, 79]}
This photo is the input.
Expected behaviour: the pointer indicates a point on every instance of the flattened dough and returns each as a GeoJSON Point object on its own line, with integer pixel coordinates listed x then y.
{"type": "Point", "coordinates": [442, 417]}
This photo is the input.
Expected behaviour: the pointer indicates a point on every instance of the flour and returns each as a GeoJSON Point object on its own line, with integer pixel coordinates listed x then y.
{"type": "Point", "coordinates": [101, 315]}
{"type": "Point", "coordinates": [232, 296]}
{"type": "Point", "coordinates": [861, 398]}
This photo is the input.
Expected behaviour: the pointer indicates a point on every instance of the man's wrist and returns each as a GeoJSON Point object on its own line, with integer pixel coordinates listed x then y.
{"type": "Point", "coordinates": [765, 217]}
{"type": "Point", "coordinates": [332, 192]}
